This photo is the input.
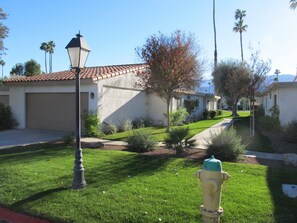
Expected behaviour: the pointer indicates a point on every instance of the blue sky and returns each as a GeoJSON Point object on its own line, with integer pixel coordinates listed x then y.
{"type": "Point", "coordinates": [114, 28]}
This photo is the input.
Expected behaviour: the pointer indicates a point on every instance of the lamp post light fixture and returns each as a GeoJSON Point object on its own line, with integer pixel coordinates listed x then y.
{"type": "Point", "coordinates": [78, 51]}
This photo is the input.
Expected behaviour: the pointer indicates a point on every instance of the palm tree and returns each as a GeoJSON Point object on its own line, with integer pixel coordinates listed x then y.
{"type": "Point", "coordinates": [51, 45]}
{"type": "Point", "coordinates": [239, 26]}
{"type": "Point", "coordinates": [45, 47]}
{"type": "Point", "coordinates": [293, 4]}
{"type": "Point", "coordinates": [215, 33]}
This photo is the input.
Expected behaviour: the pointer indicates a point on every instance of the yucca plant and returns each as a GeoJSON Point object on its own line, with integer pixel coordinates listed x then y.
{"type": "Point", "coordinates": [179, 139]}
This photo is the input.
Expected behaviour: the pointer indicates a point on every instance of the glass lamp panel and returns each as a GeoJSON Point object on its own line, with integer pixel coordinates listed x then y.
{"type": "Point", "coordinates": [83, 57]}
{"type": "Point", "coordinates": [73, 53]}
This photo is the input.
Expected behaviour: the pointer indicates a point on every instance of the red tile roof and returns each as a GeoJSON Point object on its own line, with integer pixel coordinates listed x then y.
{"type": "Point", "coordinates": [95, 73]}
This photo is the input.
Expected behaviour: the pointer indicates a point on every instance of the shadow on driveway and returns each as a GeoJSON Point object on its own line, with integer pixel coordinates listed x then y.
{"type": "Point", "coordinates": [20, 137]}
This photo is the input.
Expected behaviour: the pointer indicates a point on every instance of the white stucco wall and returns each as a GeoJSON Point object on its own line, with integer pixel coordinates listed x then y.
{"type": "Point", "coordinates": [17, 99]}
{"type": "Point", "coordinates": [121, 99]}
{"type": "Point", "coordinates": [157, 108]}
{"type": "Point", "coordinates": [287, 105]}
{"type": "Point", "coordinates": [286, 97]}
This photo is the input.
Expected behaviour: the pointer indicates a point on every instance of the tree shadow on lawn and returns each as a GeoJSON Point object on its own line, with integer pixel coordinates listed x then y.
{"type": "Point", "coordinates": [37, 196]}
{"type": "Point", "coordinates": [284, 207]}
{"type": "Point", "coordinates": [121, 168]}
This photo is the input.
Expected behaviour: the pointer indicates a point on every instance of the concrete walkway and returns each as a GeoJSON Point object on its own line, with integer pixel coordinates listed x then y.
{"type": "Point", "coordinates": [204, 137]}
{"type": "Point", "coordinates": [21, 137]}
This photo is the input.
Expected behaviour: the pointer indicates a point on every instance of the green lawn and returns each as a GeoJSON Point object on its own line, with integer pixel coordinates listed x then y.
{"type": "Point", "coordinates": [160, 132]}
{"type": "Point", "coordinates": [129, 187]}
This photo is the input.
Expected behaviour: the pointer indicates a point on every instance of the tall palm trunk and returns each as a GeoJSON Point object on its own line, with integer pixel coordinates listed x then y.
{"type": "Point", "coordinates": [50, 63]}
{"type": "Point", "coordinates": [45, 61]}
{"type": "Point", "coordinates": [215, 33]}
{"type": "Point", "coordinates": [241, 46]}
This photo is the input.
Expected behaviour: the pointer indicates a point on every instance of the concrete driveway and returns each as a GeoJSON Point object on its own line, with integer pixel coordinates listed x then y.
{"type": "Point", "coordinates": [20, 137]}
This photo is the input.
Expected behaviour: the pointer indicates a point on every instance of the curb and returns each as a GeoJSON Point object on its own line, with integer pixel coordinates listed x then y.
{"type": "Point", "coordinates": [8, 216]}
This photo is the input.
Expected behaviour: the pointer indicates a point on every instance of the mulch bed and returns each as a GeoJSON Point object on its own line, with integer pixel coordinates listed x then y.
{"type": "Point", "coordinates": [198, 155]}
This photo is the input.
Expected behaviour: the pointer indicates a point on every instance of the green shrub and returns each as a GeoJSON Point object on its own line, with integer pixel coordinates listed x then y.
{"type": "Point", "coordinates": [212, 114]}
{"type": "Point", "coordinates": [178, 116]}
{"type": "Point", "coordinates": [140, 141]}
{"type": "Point", "coordinates": [6, 119]}
{"type": "Point", "coordinates": [290, 131]}
{"type": "Point", "coordinates": [259, 112]}
{"type": "Point", "coordinates": [68, 139]}
{"type": "Point", "coordinates": [205, 114]}
{"type": "Point", "coordinates": [141, 123]}
{"type": "Point", "coordinates": [271, 122]}
{"type": "Point", "coordinates": [126, 125]}
{"type": "Point", "coordinates": [179, 139]}
{"type": "Point", "coordinates": [109, 128]}
{"type": "Point", "coordinates": [190, 105]}
{"type": "Point", "coordinates": [148, 123]}
{"type": "Point", "coordinates": [138, 123]}
{"type": "Point", "coordinates": [92, 124]}
{"type": "Point", "coordinates": [226, 146]}
{"type": "Point", "coordinates": [219, 112]}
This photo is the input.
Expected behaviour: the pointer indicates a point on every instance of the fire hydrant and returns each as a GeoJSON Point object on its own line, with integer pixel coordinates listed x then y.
{"type": "Point", "coordinates": [212, 178]}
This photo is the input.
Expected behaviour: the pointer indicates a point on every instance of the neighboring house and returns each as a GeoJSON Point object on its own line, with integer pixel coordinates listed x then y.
{"type": "Point", "coordinates": [282, 94]}
{"type": "Point", "coordinates": [47, 101]}
{"type": "Point", "coordinates": [210, 100]}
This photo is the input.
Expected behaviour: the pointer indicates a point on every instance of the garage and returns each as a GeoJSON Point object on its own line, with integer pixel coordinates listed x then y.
{"type": "Point", "coordinates": [53, 111]}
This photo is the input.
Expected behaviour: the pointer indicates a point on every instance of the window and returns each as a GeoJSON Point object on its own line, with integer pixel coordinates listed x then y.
{"type": "Point", "coordinates": [274, 101]}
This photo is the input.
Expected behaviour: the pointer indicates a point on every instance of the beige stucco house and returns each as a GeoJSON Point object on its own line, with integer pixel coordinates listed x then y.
{"type": "Point", "coordinates": [284, 95]}
{"type": "Point", "coordinates": [47, 101]}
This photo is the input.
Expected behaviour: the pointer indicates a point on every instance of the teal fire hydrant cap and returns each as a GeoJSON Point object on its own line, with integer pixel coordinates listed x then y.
{"type": "Point", "coordinates": [212, 164]}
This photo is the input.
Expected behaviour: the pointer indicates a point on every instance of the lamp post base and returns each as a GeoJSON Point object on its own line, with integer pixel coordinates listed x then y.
{"type": "Point", "coordinates": [78, 179]}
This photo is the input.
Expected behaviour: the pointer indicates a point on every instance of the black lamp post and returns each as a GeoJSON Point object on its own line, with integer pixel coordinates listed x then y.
{"type": "Point", "coordinates": [78, 51]}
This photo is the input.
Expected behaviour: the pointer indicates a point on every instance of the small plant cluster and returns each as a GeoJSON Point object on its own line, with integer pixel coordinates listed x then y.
{"type": "Point", "coordinates": [211, 114]}
{"type": "Point", "coordinates": [109, 128]}
{"type": "Point", "coordinates": [179, 139]}
{"type": "Point", "coordinates": [125, 125]}
{"type": "Point", "coordinates": [219, 112]}
{"type": "Point", "coordinates": [140, 141]}
{"type": "Point", "coordinates": [177, 117]}
{"type": "Point", "coordinates": [6, 119]}
{"type": "Point", "coordinates": [226, 146]}
{"type": "Point", "coordinates": [141, 123]}
{"type": "Point", "coordinates": [68, 139]}
{"type": "Point", "coordinates": [92, 124]}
